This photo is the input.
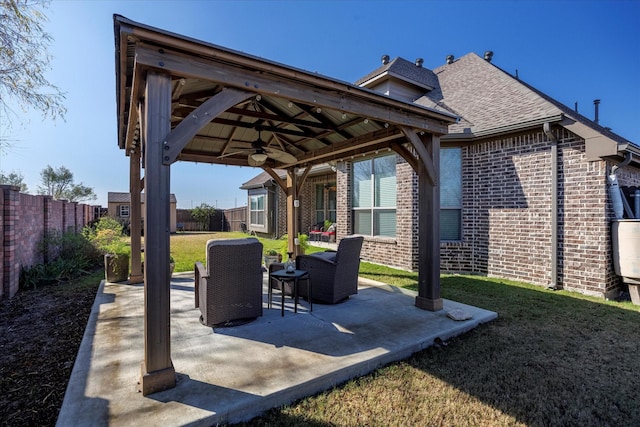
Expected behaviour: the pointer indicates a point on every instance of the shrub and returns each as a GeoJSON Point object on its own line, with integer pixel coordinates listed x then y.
{"type": "Point", "coordinates": [69, 255]}
{"type": "Point", "coordinates": [108, 237]}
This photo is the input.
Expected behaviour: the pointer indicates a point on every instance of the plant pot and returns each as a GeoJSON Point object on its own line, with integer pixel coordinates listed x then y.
{"type": "Point", "coordinates": [116, 267]}
{"type": "Point", "coordinates": [270, 259]}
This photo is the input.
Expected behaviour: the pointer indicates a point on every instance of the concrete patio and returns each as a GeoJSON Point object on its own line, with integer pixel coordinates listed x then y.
{"type": "Point", "coordinates": [233, 374]}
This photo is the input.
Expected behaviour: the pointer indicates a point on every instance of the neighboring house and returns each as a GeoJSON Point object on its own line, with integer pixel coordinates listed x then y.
{"type": "Point", "coordinates": [523, 185]}
{"type": "Point", "coordinates": [119, 207]}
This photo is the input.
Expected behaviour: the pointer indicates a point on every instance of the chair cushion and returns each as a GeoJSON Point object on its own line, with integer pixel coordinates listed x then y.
{"type": "Point", "coordinates": [328, 255]}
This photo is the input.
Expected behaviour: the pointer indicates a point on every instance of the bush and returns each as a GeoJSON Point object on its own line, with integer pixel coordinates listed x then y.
{"type": "Point", "coordinates": [108, 237]}
{"type": "Point", "coordinates": [69, 256]}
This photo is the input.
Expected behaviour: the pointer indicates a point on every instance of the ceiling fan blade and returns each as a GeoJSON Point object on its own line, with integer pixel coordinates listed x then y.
{"type": "Point", "coordinates": [279, 155]}
{"type": "Point", "coordinates": [233, 153]}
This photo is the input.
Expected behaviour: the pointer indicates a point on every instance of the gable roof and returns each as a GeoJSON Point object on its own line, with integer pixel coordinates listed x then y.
{"type": "Point", "coordinates": [490, 102]}
{"type": "Point", "coordinates": [115, 197]}
{"type": "Point", "coordinates": [404, 70]}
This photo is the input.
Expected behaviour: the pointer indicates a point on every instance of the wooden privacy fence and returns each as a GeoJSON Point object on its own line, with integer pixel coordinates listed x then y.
{"type": "Point", "coordinates": [222, 220]}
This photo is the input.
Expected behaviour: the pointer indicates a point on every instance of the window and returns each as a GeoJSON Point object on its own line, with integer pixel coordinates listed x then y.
{"type": "Point", "coordinates": [326, 202]}
{"type": "Point", "coordinates": [450, 194]}
{"type": "Point", "coordinates": [257, 209]}
{"type": "Point", "coordinates": [374, 196]}
{"type": "Point", "coordinates": [123, 211]}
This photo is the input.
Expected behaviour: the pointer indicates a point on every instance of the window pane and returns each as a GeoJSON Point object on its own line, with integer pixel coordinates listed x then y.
{"type": "Point", "coordinates": [319, 197]}
{"type": "Point", "coordinates": [385, 181]}
{"type": "Point", "coordinates": [332, 197]}
{"type": "Point", "coordinates": [385, 221]}
{"type": "Point", "coordinates": [362, 222]}
{"type": "Point", "coordinates": [362, 184]}
{"type": "Point", "coordinates": [450, 224]}
{"type": "Point", "coordinates": [260, 202]}
{"type": "Point", "coordinates": [450, 178]}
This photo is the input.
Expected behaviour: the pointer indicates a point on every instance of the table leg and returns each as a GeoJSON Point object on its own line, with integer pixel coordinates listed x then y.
{"type": "Point", "coordinates": [282, 288]}
{"type": "Point", "coordinates": [309, 290]}
{"type": "Point", "coordinates": [295, 295]}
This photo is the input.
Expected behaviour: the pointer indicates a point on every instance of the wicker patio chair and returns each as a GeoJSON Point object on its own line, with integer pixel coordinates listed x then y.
{"type": "Point", "coordinates": [229, 290]}
{"type": "Point", "coordinates": [334, 274]}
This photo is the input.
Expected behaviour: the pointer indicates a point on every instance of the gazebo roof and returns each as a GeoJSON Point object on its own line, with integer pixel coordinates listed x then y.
{"type": "Point", "coordinates": [304, 117]}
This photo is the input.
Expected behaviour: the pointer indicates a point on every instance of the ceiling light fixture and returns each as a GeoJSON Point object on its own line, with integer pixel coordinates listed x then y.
{"type": "Point", "coordinates": [259, 156]}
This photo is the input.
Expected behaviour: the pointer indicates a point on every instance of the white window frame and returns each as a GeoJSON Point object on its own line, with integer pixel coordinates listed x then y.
{"type": "Point", "coordinates": [257, 211]}
{"type": "Point", "coordinates": [124, 211]}
{"type": "Point", "coordinates": [374, 210]}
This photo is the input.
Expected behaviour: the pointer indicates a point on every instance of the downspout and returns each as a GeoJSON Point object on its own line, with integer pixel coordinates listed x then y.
{"type": "Point", "coordinates": [554, 204]}
{"type": "Point", "coordinates": [618, 202]}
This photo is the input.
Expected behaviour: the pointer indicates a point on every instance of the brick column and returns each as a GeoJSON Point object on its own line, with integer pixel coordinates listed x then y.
{"type": "Point", "coordinates": [10, 269]}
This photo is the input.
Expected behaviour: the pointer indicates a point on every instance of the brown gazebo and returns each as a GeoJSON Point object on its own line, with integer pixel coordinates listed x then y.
{"type": "Point", "coordinates": [180, 99]}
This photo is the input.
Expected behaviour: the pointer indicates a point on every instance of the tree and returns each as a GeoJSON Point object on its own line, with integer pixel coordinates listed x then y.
{"type": "Point", "coordinates": [14, 178]}
{"type": "Point", "coordinates": [203, 214]}
{"type": "Point", "coordinates": [58, 183]}
{"type": "Point", "coordinates": [24, 60]}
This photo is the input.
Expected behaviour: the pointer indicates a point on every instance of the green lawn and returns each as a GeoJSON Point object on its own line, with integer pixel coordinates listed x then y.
{"type": "Point", "coordinates": [552, 358]}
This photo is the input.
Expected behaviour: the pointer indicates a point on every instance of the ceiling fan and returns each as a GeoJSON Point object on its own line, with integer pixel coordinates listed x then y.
{"type": "Point", "coordinates": [259, 152]}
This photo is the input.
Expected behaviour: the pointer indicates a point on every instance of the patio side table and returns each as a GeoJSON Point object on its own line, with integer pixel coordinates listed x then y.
{"type": "Point", "coordinates": [282, 277]}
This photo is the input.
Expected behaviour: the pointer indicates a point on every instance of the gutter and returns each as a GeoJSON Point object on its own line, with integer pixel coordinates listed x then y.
{"type": "Point", "coordinates": [554, 204]}
{"type": "Point", "coordinates": [501, 130]}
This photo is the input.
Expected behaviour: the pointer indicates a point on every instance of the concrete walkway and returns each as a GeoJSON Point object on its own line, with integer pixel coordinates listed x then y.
{"type": "Point", "coordinates": [234, 374]}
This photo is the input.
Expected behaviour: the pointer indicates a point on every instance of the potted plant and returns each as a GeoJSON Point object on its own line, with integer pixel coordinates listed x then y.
{"type": "Point", "coordinates": [271, 256]}
{"type": "Point", "coordinates": [109, 239]}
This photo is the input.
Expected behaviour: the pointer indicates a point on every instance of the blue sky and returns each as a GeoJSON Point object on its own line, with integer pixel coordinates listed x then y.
{"type": "Point", "coordinates": [575, 51]}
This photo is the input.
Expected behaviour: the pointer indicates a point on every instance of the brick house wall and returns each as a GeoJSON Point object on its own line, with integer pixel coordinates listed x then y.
{"type": "Point", "coordinates": [507, 217]}
{"type": "Point", "coordinates": [506, 214]}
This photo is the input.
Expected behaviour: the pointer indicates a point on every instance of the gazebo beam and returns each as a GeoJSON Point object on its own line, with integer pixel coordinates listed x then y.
{"type": "Point", "coordinates": [226, 75]}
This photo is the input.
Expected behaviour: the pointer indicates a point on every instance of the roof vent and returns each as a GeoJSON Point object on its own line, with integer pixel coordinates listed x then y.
{"type": "Point", "coordinates": [488, 55]}
{"type": "Point", "coordinates": [385, 59]}
{"type": "Point", "coordinates": [419, 62]}
{"type": "Point", "coordinates": [450, 59]}
{"type": "Point", "coordinates": [596, 105]}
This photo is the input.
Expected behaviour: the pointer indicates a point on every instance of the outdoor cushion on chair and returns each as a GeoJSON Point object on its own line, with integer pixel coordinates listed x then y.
{"type": "Point", "coordinates": [229, 290]}
{"type": "Point", "coordinates": [334, 275]}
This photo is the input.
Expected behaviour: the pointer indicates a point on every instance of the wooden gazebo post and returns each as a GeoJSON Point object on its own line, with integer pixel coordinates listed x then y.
{"type": "Point", "coordinates": [158, 372]}
{"type": "Point", "coordinates": [429, 228]}
{"type": "Point", "coordinates": [426, 147]}
{"type": "Point", "coordinates": [135, 215]}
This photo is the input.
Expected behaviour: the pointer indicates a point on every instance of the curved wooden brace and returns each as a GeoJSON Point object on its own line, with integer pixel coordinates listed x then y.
{"type": "Point", "coordinates": [191, 125]}
{"type": "Point", "coordinates": [423, 154]}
